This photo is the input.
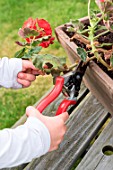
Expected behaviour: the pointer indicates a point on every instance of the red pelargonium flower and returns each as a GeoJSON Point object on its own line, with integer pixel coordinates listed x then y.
{"type": "Point", "coordinates": [45, 25]}
{"type": "Point", "coordinates": [30, 23]}
{"type": "Point", "coordinates": [45, 44]}
{"type": "Point", "coordinates": [43, 29]}
{"type": "Point", "coordinates": [102, 0]}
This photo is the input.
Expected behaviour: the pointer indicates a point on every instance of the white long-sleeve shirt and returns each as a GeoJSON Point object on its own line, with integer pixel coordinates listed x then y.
{"type": "Point", "coordinates": [28, 141]}
{"type": "Point", "coordinates": [9, 68]}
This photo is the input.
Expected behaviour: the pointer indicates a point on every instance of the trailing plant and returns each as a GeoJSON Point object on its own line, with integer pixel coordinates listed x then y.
{"type": "Point", "coordinates": [97, 35]}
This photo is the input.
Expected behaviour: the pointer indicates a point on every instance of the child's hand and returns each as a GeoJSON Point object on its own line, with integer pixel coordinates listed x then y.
{"type": "Point", "coordinates": [56, 125]}
{"type": "Point", "coordinates": [28, 73]}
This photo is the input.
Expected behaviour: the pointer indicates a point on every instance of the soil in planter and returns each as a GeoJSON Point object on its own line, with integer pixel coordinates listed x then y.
{"type": "Point", "coordinates": [107, 38]}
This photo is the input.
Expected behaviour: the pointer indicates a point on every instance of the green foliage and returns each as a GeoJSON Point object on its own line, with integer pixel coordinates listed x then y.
{"type": "Point", "coordinates": [94, 19]}
{"type": "Point", "coordinates": [82, 53]}
{"type": "Point", "coordinates": [53, 63]}
{"type": "Point", "coordinates": [27, 32]}
{"type": "Point", "coordinates": [35, 50]}
{"type": "Point", "coordinates": [12, 15]}
{"type": "Point", "coordinates": [20, 53]}
{"type": "Point", "coordinates": [76, 24]}
{"type": "Point", "coordinates": [111, 60]}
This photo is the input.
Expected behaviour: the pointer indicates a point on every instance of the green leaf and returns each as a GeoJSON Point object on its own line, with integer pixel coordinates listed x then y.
{"type": "Point", "coordinates": [43, 38]}
{"type": "Point", "coordinates": [74, 23]}
{"type": "Point", "coordinates": [20, 53]}
{"type": "Point", "coordinates": [105, 44]}
{"type": "Point", "coordinates": [40, 39]}
{"type": "Point", "coordinates": [70, 29]}
{"type": "Point", "coordinates": [94, 18]}
{"type": "Point", "coordinates": [35, 50]}
{"type": "Point", "coordinates": [101, 27]}
{"type": "Point", "coordinates": [26, 56]}
{"type": "Point", "coordinates": [37, 61]}
{"type": "Point", "coordinates": [53, 62]}
{"type": "Point", "coordinates": [27, 32]}
{"type": "Point", "coordinates": [82, 53]}
{"type": "Point", "coordinates": [62, 60]}
{"type": "Point", "coordinates": [111, 26]}
{"type": "Point", "coordinates": [111, 60]}
{"type": "Point", "coordinates": [35, 43]}
{"type": "Point", "coordinates": [46, 37]}
{"type": "Point", "coordinates": [77, 23]}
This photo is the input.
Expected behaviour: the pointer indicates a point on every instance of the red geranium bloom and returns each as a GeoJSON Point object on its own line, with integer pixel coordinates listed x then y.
{"type": "Point", "coordinates": [102, 0]}
{"type": "Point", "coordinates": [45, 25]}
{"type": "Point", "coordinates": [30, 23]}
{"type": "Point", "coordinates": [42, 27]}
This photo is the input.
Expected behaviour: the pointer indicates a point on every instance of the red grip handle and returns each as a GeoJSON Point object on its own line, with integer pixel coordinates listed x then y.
{"type": "Point", "coordinates": [64, 105]}
{"type": "Point", "coordinates": [52, 95]}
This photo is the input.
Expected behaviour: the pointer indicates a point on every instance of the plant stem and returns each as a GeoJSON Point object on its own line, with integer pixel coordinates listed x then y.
{"type": "Point", "coordinates": [89, 2]}
{"type": "Point", "coordinates": [73, 65]}
{"type": "Point", "coordinates": [101, 60]}
{"type": "Point", "coordinates": [84, 31]}
{"type": "Point", "coordinates": [92, 38]}
{"type": "Point", "coordinates": [80, 38]}
{"type": "Point", "coordinates": [84, 37]}
{"type": "Point", "coordinates": [90, 58]}
{"type": "Point", "coordinates": [91, 30]}
{"type": "Point", "coordinates": [105, 32]}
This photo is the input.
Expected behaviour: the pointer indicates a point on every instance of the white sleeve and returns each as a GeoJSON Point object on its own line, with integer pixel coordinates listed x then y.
{"type": "Point", "coordinates": [9, 68]}
{"type": "Point", "coordinates": [22, 144]}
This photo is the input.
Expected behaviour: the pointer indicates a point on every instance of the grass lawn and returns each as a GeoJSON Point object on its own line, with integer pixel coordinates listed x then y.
{"type": "Point", "coordinates": [12, 15]}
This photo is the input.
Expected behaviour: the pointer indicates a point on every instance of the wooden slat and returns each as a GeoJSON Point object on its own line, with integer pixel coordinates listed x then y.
{"type": "Point", "coordinates": [95, 159]}
{"type": "Point", "coordinates": [21, 167]}
{"type": "Point", "coordinates": [100, 84]}
{"type": "Point", "coordinates": [83, 124]}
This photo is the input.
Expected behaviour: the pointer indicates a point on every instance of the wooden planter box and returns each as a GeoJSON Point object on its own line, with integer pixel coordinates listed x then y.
{"type": "Point", "coordinates": [96, 80]}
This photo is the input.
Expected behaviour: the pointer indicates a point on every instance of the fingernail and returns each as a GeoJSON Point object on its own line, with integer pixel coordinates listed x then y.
{"type": "Point", "coordinates": [29, 108]}
{"type": "Point", "coordinates": [20, 75]}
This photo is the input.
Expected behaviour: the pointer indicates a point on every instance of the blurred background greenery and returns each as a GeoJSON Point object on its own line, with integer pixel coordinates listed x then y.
{"type": "Point", "coordinates": [12, 15]}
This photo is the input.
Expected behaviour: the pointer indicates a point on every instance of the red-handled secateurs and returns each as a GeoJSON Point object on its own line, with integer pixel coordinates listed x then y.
{"type": "Point", "coordinates": [69, 84]}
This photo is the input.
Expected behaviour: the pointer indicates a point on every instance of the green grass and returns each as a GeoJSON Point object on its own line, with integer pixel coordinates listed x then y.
{"type": "Point", "coordinates": [12, 15]}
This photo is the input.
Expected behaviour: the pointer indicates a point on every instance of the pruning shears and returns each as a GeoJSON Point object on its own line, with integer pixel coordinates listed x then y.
{"type": "Point", "coordinates": [69, 84]}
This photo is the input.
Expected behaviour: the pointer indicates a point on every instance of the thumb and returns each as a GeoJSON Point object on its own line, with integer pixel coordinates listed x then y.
{"type": "Point", "coordinates": [31, 111]}
{"type": "Point", "coordinates": [28, 65]}
{"type": "Point", "coordinates": [64, 116]}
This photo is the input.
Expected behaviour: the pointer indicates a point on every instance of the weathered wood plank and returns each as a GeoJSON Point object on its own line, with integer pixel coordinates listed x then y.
{"type": "Point", "coordinates": [21, 167]}
{"type": "Point", "coordinates": [83, 124]}
{"type": "Point", "coordinates": [103, 84]}
{"type": "Point", "coordinates": [95, 159]}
